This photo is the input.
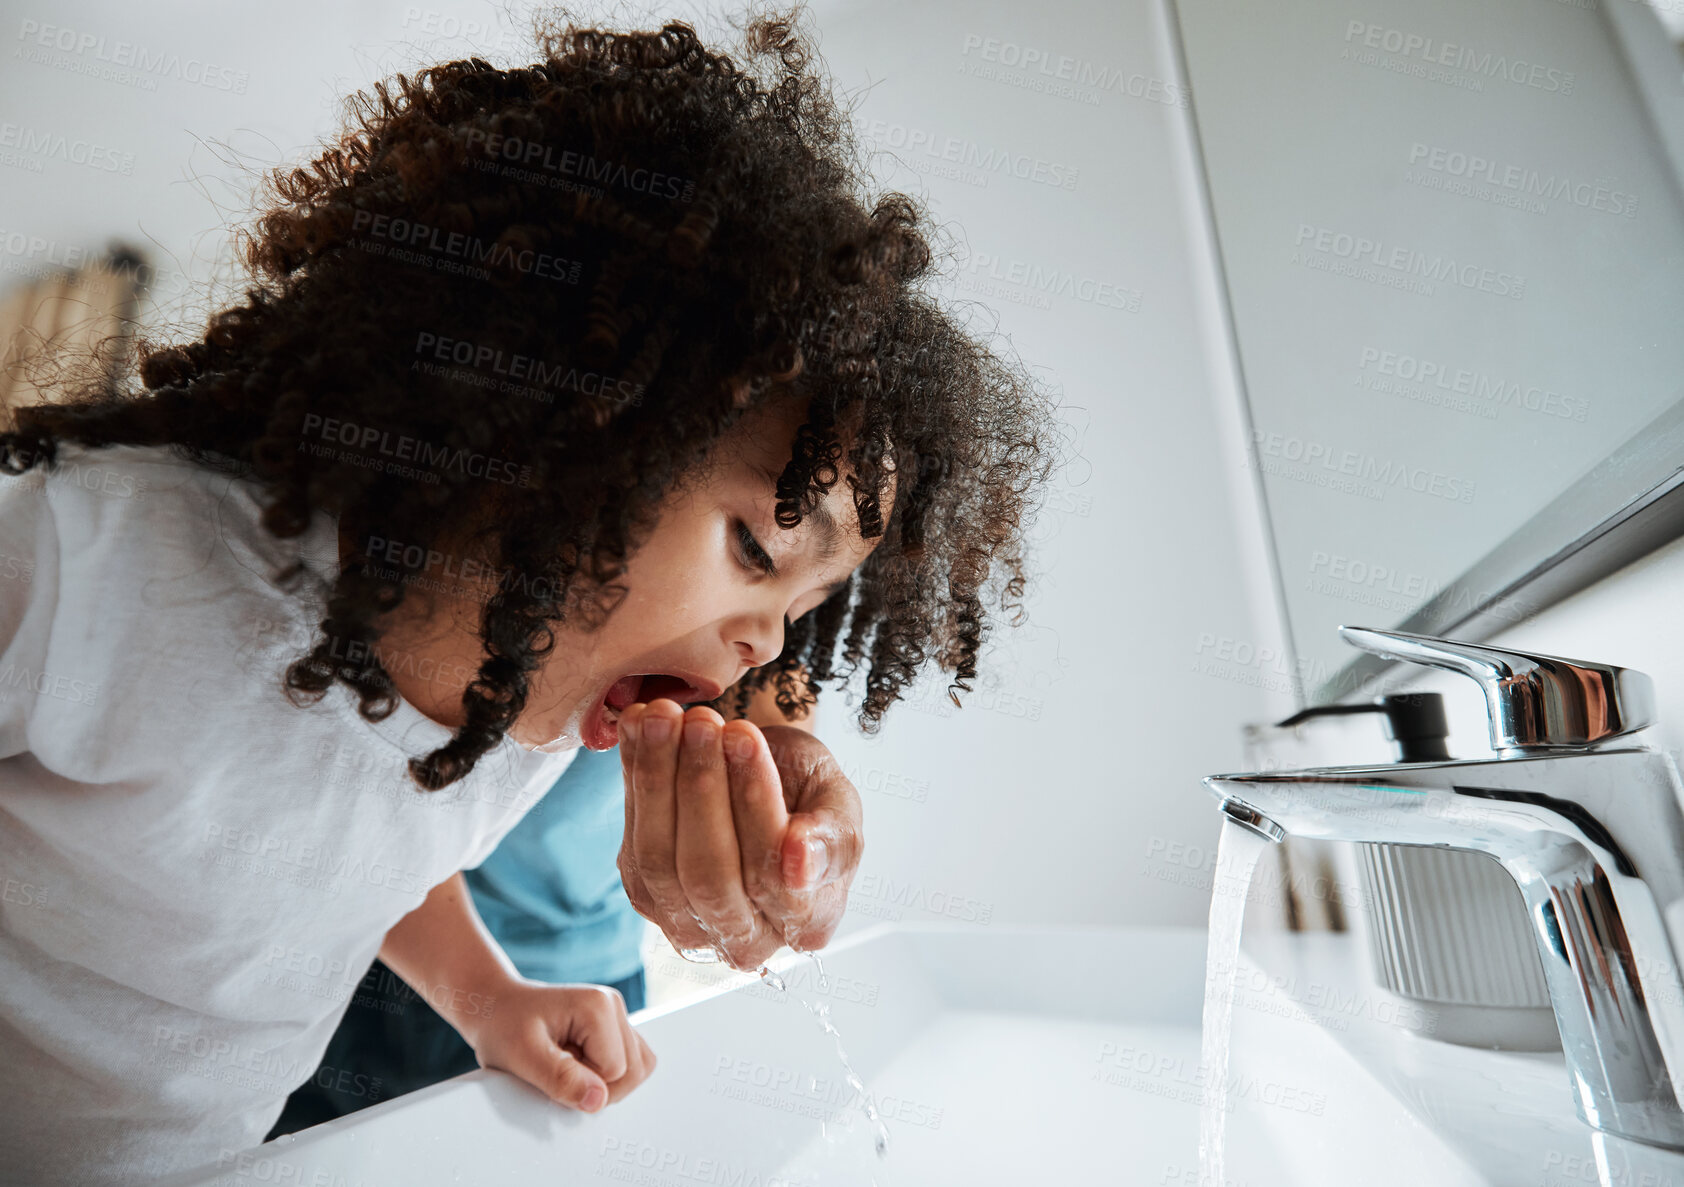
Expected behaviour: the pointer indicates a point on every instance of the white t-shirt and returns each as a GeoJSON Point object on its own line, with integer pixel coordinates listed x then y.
{"type": "Point", "coordinates": [195, 873]}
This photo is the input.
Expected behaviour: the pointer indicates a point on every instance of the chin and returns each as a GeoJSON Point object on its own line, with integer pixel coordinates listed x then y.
{"type": "Point", "coordinates": [559, 736]}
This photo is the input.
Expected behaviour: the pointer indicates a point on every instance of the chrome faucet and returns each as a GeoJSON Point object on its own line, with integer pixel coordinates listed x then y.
{"type": "Point", "coordinates": [1589, 827]}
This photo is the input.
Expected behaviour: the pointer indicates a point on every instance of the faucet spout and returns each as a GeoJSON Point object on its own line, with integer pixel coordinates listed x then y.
{"type": "Point", "coordinates": [1594, 840]}
{"type": "Point", "coordinates": [1249, 818]}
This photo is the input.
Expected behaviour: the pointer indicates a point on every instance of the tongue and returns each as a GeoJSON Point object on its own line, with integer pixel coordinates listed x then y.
{"type": "Point", "coordinates": [624, 692]}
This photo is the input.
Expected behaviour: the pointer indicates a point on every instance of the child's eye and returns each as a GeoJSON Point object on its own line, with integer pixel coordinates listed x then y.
{"type": "Point", "coordinates": [754, 556]}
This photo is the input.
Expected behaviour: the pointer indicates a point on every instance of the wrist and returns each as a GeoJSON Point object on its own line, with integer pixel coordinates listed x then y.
{"type": "Point", "coordinates": [469, 1000]}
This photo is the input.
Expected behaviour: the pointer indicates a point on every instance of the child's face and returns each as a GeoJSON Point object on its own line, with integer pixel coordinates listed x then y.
{"type": "Point", "coordinates": [707, 594]}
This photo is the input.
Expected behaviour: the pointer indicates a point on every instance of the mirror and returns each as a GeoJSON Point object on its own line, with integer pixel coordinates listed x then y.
{"type": "Point", "coordinates": [1453, 244]}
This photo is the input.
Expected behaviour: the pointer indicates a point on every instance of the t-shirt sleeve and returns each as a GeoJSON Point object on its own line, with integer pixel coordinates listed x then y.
{"type": "Point", "coordinates": [29, 578]}
{"type": "Point", "coordinates": [539, 780]}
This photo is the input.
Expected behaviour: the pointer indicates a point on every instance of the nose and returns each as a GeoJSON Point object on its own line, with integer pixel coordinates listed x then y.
{"type": "Point", "coordinates": [757, 638]}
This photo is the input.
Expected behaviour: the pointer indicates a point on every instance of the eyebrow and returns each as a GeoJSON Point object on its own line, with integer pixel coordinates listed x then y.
{"type": "Point", "coordinates": [829, 534]}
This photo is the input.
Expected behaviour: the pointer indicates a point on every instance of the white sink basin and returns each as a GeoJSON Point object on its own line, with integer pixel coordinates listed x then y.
{"type": "Point", "coordinates": [996, 1055]}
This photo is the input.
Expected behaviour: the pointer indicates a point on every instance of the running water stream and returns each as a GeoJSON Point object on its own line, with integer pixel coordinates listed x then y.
{"type": "Point", "coordinates": [1236, 860]}
{"type": "Point", "coordinates": [821, 1011]}
{"type": "Point", "coordinates": [862, 1098]}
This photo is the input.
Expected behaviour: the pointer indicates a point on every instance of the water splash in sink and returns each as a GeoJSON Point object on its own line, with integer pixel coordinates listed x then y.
{"type": "Point", "coordinates": [836, 1135]}
{"type": "Point", "coordinates": [1236, 860]}
{"type": "Point", "coordinates": [880, 1132]}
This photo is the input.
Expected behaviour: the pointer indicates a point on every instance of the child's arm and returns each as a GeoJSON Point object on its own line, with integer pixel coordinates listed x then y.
{"type": "Point", "coordinates": [571, 1042]}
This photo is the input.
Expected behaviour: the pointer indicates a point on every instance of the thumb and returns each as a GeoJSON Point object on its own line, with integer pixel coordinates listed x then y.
{"type": "Point", "coordinates": [817, 848]}
{"type": "Point", "coordinates": [564, 1078]}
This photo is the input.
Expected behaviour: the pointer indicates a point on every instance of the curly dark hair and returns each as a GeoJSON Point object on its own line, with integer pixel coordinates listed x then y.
{"type": "Point", "coordinates": [656, 238]}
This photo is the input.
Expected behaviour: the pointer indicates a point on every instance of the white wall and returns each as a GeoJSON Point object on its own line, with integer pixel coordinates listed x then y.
{"type": "Point", "coordinates": [1059, 791]}
{"type": "Point", "coordinates": [1412, 422]}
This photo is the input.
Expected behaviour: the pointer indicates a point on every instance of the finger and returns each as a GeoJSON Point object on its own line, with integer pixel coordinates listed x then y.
{"type": "Point", "coordinates": [820, 847]}
{"type": "Point", "coordinates": [802, 917]}
{"type": "Point", "coordinates": [757, 807]}
{"type": "Point", "coordinates": [820, 856]}
{"type": "Point", "coordinates": [630, 720]}
{"type": "Point", "coordinates": [709, 867]}
{"type": "Point", "coordinates": [594, 1030]}
{"type": "Point", "coordinates": [566, 1080]}
{"type": "Point", "coordinates": [654, 771]}
{"type": "Point", "coordinates": [631, 877]}
{"type": "Point", "coordinates": [639, 1062]}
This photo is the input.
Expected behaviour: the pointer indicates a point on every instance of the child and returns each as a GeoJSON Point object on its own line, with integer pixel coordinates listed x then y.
{"type": "Point", "coordinates": [564, 399]}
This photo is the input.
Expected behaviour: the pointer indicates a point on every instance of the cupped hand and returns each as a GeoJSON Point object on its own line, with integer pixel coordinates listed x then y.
{"type": "Point", "coordinates": [738, 838]}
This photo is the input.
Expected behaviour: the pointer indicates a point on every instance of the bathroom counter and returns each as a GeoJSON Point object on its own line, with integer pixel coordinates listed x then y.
{"type": "Point", "coordinates": [993, 1054]}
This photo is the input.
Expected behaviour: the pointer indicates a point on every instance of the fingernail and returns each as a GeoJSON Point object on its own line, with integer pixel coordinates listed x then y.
{"type": "Point", "coordinates": [741, 746]}
{"type": "Point", "coordinates": [698, 732]}
{"type": "Point", "coordinates": [595, 1097]}
{"type": "Point", "coordinates": [816, 860]}
{"type": "Point", "coordinates": [805, 866]}
{"type": "Point", "coordinates": [656, 729]}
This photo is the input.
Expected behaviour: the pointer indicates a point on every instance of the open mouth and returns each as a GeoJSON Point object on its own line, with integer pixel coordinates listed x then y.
{"type": "Point", "coordinates": [601, 725]}
{"type": "Point", "coordinates": [651, 686]}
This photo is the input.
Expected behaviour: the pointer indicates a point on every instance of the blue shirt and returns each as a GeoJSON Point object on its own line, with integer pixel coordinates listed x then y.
{"type": "Point", "coordinates": [550, 893]}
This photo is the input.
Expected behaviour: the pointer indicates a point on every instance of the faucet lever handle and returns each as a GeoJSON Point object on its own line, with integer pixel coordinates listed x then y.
{"type": "Point", "coordinates": [1534, 702]}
